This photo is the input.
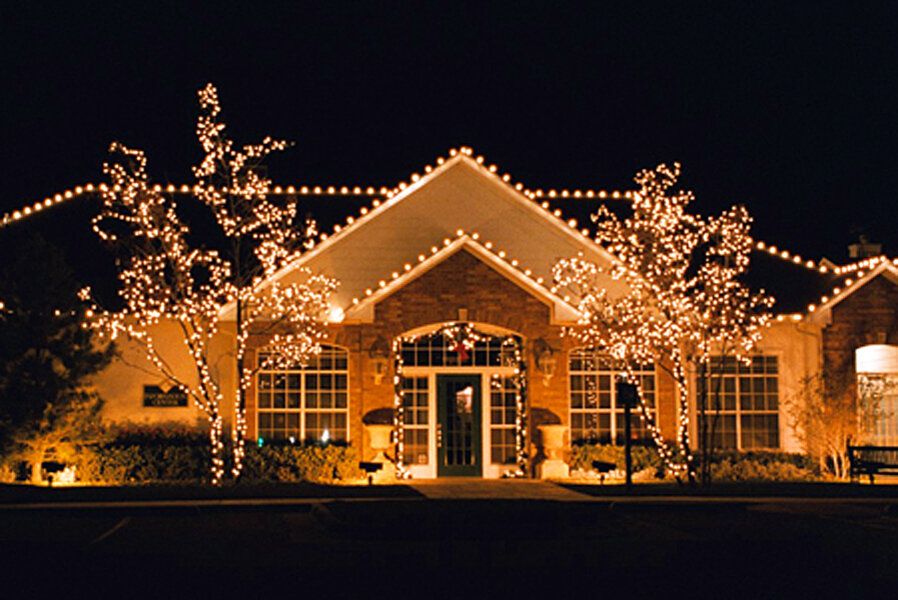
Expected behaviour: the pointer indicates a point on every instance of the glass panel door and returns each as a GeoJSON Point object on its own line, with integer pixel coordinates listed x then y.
{"type": "Point", "coordinates": [459, 425]}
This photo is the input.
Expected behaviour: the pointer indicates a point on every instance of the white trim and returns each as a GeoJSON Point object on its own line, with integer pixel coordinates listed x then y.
{"type": "Point", "coordinates": [561, 310]}
{"type": "Point", "coordinates": [613, 411]}
{"type": "Point", "coordinates": [737, 413]}
{"type": "Point", "coordinates": [429, 471]}
{"type": "Point", "coordinates": [303, 411]}
{"type": "Point", "coordinates": [823, 313]}
{"type": "Point", "coordinates": [571, 232]}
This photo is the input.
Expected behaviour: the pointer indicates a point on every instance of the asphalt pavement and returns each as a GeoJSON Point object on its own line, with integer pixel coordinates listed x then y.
{"type": "Point", "coordinates": [423, 545]}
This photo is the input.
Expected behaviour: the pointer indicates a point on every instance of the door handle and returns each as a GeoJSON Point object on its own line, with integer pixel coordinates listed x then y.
{"type": "Point", "coordinates": [439, 435]}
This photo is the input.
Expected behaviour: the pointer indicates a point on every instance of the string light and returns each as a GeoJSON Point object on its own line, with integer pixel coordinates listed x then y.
{"type": "Point", "coordinates": [791, 257]}
{"type": "Point", "coordinates": [878, 265]}
{"type": "Point", "coordinates": [398, 278]}
{"type": "Point", "coordinates": [165, 280]}
{"type": "Point", "coordinates": [330, 190]}
{"type": "Point", "coordinates": [684, 299]}
{"type": "Point", "coordinates": [463, 337]}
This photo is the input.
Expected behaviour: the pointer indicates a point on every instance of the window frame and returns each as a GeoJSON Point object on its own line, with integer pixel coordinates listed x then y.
{"type": "Point", "coordinates": [737, 413]}
{"type": "Point", "coordinates": [303, 410]}
{"type": "Point", "coordinates": [614, 411]}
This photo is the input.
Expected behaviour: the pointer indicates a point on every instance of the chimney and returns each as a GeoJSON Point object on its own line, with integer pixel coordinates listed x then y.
{"type": "Point", "coordinates": [864, 248]}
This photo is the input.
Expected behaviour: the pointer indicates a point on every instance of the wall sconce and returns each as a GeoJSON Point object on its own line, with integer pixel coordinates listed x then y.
{"type": "Point", "coordinates": [379, 355]}
{"type": "Point", "coordinates": [545, 359]}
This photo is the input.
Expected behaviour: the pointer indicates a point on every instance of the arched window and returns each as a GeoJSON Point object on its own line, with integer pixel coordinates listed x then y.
{"type": "Point", "coordinates": [877, 377]}
{"type": "Point", "coordinates": [305, 403]}
{"type": "Point", "coordinates": [596, 415]}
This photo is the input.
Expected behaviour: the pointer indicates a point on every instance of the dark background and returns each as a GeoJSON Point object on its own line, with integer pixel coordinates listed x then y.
{"type": "Point", "coordinates": [789, 109]}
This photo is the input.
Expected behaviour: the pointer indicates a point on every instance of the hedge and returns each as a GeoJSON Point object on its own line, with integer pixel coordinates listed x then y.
{"type": "Point", "coordinates": [184, 457]}
{"type": "Point", "coordinates": [726, 465]}
{"type": "Point", "coordinates": [583, 455]}
{"type": "Point", "coordinates": [731, 465]}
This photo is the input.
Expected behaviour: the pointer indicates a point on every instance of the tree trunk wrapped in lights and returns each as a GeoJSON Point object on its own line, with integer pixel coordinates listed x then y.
{"type": "Point", "coordinates": [683, 301]}
{"type": "Point", "coordinates": [165, 279]}
{"type": "Point", "coordinates": [263, 237]}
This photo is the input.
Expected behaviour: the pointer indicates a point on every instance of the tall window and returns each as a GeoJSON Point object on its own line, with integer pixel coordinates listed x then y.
{"type": "Point", "coordinates": [876, 366]}
{"type": "Point", "coordinates": [596, 414]}
{"type": "Point", "coordinates": [503, 421]}
{"type": "Point", "coordinates": [742, 402]}
{"type": "Point", "coordinates": [305, 403]}
{"type": "Point", "coordinates": [878, 408]}
{"type": "Point", "coordinates": [415, 435]}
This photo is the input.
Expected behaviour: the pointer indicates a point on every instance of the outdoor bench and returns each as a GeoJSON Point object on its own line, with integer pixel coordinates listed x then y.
{"type": "Point", "coordinates": [872, 460]}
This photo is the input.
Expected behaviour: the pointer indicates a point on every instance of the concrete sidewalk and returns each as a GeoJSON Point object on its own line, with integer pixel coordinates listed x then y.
{"type": "Point", "coordinates": [497, 489]}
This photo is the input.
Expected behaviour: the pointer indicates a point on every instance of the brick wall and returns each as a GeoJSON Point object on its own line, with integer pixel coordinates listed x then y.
{"type": "Point", "coordinates": [465, 282]}
{"type": "Point", "coordinates": [861, 319]}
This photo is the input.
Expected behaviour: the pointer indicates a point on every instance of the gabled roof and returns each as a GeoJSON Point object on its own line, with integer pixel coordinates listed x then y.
{"type": "Point", "coordinates": [458, 196]}
{"type": "Point", "coordinates": [822, 313]}
{"type": "Point", "coordinates": [363, 310]}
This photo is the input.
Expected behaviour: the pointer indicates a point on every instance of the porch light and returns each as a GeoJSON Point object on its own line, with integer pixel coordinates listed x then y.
{"type": "Point", "coordinates": [545, 359]}
{"type": "Point", "coordinates": [379, 355]}
{"type": "Point", "coordinates": [335, 314]}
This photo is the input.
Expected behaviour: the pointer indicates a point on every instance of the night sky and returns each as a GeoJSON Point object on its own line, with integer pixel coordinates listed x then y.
{"type": "Point", "coordinates": [789, 109]}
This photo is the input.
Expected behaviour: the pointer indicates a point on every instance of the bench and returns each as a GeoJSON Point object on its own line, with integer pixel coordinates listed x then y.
{"type": "Point", "coordinates": [872, 460]}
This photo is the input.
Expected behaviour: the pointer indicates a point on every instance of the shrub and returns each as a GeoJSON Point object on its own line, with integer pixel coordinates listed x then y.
{"type": "Point", "coordinates": [165, 455]}
{"type": "Point", "coordinates": [762, 466]}
{"type": "Point", "coordinates": [302, 462]}
{"type": "Point", "coordinates": [583, 455]}
{"type": "Point", "coordinates": [148, 455]}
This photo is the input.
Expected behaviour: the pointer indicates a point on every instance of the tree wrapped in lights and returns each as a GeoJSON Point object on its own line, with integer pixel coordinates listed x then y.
{"type": "Point", "coordinates": [164, 279]}
{"type": "Point", "coordinates": [683, 301]}
{"type": "Point", "coordinates": [263, 236]}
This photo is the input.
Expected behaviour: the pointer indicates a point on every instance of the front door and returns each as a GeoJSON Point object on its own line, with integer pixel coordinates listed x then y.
{"type": "Point", "coordinates": [458, 426]}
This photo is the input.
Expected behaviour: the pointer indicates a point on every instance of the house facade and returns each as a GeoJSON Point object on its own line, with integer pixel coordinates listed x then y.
{"type": "Point", "coordinates": [446, 309]}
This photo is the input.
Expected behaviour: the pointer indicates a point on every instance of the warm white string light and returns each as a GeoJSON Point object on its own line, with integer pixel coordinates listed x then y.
{"type": "Point", "coordinates": [322, 190]}
{"type": "Point", "coordinates": [791, 257]}
{"type": "Point", "coordinates": [165, 280]}
{"type": "Point", "coordinates": [406, 269]}
{"type": "Point", "coordinates": [462, 337]}
{"type": "Point", "coordinates": [682, 303]}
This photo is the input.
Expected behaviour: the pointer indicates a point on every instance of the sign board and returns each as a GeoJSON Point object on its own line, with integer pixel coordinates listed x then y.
{"type": "Point", "coordinates": [154, 396]}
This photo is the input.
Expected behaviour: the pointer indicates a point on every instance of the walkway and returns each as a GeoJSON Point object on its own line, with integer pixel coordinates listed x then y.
{"type": "Point", "coordinates": [494, 489]}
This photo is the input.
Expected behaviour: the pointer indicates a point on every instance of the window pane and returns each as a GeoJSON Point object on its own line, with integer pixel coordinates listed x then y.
{"type": "Point", "coordinates": [592, 378]}
{"type": "Point", "coordinates": [748, 406]}
{"type": "Point", "coordinates": [320, 389]}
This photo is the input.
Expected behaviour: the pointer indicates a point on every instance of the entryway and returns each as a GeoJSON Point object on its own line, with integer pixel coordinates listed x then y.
{"type": "Point", "coordinates": [459, 440]}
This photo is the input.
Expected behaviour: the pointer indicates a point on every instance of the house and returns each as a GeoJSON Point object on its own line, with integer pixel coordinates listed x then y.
{"type": "Point", "coordinates": [446, 306]}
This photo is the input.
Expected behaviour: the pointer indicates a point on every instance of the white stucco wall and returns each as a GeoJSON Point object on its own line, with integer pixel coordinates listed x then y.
{"type": "Point", "coordinates": [121, 384]}
{"type": "Point", "coordinates": [797, 346]}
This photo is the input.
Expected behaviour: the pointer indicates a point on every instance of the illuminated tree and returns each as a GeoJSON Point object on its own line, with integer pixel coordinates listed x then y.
{"type": "Point", "coordinates": [263, 237]}
{"type": "Point", "coordinates": [683, 298]}
{"type": "Point", "coordinates": [164, 279]}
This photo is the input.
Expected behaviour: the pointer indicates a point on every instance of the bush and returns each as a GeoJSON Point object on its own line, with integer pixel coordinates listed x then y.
{"type": "Point", "coordinates": [168, 455]}
{"type": "Point", "coordinates": [308, 462]}
{"type": "Point", "coordinates": [762, 466]}
{"type": "Point", "coordinates": [148, 455]}
{"type": "Point", "coordinates": [583, 455]}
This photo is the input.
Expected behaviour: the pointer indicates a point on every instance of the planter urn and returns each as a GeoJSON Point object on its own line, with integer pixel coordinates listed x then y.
{"type": "Point", "coordinates": [553, 467]}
